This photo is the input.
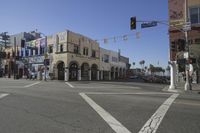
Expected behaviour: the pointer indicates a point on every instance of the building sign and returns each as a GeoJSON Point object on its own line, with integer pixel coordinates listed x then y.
{"type": "Point", "coordinates": [176, 12]}
{"type": "Point", "coordinates": [36, 43]}
{"type": "Point", "coordinates": [38, 59]}
{"type": "Point", "coordinates": [62, 37]}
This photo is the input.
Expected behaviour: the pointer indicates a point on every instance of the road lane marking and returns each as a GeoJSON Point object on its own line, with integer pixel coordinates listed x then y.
{"type": "Point", "coordinates": [117, 87]}
{"type": "Point", "coordinates": [187, 103]}
{"type": "Point", "coordinates": [3, 95]}
{"type": "Point", "coordinates": [31, 84]}
{"type": "Point", "coordinates": [153, 123]}
{"type": "Point", "coordinates": [126, 93]}
{"type": "Point", "coordinates": [70, 85]}
{"type": "Point", "coordinates": [110, 120]}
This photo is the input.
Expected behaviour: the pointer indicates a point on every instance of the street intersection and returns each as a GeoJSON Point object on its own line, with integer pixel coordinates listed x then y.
{"type": "Point", "coordinates": [29, 106]}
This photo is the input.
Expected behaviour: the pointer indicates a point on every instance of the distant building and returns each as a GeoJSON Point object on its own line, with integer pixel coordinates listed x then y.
{"type": "Point", "coordinates": [71, 56]}
{"type": "Point", "coordinates": [13, 51]}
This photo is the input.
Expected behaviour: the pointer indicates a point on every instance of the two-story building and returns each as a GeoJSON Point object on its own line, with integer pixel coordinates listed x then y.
{"type": "Point", "coordinates": [71, 56]}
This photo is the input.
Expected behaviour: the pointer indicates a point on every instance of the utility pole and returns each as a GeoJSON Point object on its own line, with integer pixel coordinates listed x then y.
{"type": "Point", "coordinates": [187, 83]}
{"type": "Point", "coordinates": [15, 66]}
{"type": "Point", "coordinates": [45, 58]}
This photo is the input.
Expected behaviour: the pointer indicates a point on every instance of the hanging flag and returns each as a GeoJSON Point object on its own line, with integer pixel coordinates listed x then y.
{"type": "Point", "coordinates": [37, 43]}
{"type": "Point", "coordinates": [105, 41]}
{"type": "Point", "coordinates": [137, 34]}
{"type": "Point", "coordinates": [42, 42]}
{"type": "Point", "coordinates": [125, 37]}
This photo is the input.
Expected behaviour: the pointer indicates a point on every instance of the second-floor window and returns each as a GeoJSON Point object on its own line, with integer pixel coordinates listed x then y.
{"type": "Point", "coordinates": [50, 49]}
{"type": "Point", "coordinates": [76, 49]}
{"type": "Point", "coordinates": [36, 51]}
{"type": "Point", "coordinates": [93, 53]}
{"type": "Point", "coordinates": [106, 58]}
{"type": "Point", "coordinates": [41, 50]}
{"type": "Point", "coordinates": [85, 51]}
{"type": "Point", "coordinates": [114, 59]}
{"type": "Point", "coordinates": [61, 47]}
{"type": "Point", "coordinates": [195, 15]}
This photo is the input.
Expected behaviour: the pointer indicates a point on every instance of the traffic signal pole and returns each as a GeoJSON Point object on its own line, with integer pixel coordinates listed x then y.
{"type": "Point", "coordinates": [172, 63]}
{"type": "Point", "coordinates": [45, 56]}
{"type": "Point", "coordinates": [187, 83]}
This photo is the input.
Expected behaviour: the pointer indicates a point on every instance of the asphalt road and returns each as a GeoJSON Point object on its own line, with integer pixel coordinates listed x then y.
{"type": "Point", "coordinates": [95, 107]}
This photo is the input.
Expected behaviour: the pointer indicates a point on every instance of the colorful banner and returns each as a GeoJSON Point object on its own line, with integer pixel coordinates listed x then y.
{"type": "Point", "coordinates": [42, 42]}
{"type": "Point", "coordinates": [37, 43]}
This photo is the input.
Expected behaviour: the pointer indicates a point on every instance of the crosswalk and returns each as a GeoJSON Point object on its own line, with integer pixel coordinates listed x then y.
{"type": "Point", "coordinates": [2, 95]}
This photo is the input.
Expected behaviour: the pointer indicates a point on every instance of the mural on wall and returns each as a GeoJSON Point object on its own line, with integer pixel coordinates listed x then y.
{"type": "Point", "coordinates": [176, 12]}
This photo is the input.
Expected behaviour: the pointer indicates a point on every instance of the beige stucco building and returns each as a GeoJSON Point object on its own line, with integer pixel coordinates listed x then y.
{"type": "Point", "coordinates": [72, 56]}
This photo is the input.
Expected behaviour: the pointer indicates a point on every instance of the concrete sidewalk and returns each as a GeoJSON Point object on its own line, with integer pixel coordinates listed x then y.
{"type": "Point", "coordinates": [180, 88]}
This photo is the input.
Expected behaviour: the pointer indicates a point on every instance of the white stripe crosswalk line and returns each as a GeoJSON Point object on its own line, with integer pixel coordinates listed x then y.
{"type": "Point", "coordinates": [153, 123]}
{"type": "Point", "coordinates": [110, 120]}
{"type": "Point", "coordinates": [26, 86]}
{"type": "Point", "coordinates": [3, 95]}
{"type": "Point", "coordinates": [70, 85]}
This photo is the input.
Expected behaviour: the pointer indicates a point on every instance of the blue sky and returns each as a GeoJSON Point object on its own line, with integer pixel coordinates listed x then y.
{"type": "Point", "coordinates": [97, 19]}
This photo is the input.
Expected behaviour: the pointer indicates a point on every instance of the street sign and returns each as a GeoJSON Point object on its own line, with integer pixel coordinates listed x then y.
{"type": "Point", "coordinates": [149, 24]}
{"type": "Point", "coordinates": [187, 26]}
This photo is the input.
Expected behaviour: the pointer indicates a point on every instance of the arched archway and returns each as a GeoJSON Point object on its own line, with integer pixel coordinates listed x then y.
{"type": "Point", "coordinates": [120, 73]}
{"type": "Point", "coordinates": [124, 73]}
{"type": "Point", "coordinates": [112, 73]}
{"type": "Point", "coordinates": [85, 71]}
{"type": "Point", "coordinates": [94, 70]}
{"type": "Point", "coordinates": [73, 71]}
{"type": "Point", "coordinates": [61, 70]}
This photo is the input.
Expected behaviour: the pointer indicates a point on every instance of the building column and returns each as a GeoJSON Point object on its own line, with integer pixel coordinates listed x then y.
{"type": "Point", "coordinates": [101, 75]}
{"type": "Point", "coordinates": [66, 74]}
{"type": "Point", "coordinates": [172, 75]}
{"type": "Point", "coordinates": [89, 73]}
{"type": "Point", "coordinates": [122, 74]}
{"type": "Point", "coordinates": [97, 74]}
{"type": "Point", "coordinates": [39, 50]}
{"type": "Point", "coordinates": [79, 74]}
{"type": "Point", "coordinates": [114, 75]}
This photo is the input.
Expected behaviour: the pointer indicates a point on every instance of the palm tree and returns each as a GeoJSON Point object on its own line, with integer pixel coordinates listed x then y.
{"type": "Point", "coordinates": [152, 68]}
{"type": "Point", "coordinates": [168, 69]}
{"type": "Point", "coordinates": [142, 62]}
{"type": "Point", "coordinates": [133, 64]}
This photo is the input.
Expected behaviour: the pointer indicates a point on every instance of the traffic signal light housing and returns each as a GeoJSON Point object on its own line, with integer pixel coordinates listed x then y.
{"type": "Point", "coordinates": [173, 46]}
{"type": "Point", "coordinates": [133, 23]}
{"type": "Point", "coordinates": [181, 45]}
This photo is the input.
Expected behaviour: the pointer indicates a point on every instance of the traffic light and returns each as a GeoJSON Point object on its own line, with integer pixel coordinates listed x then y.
{"type": "Point", "coordinates": [181, 65]}
{"type": "Point", "coordinates": [133, 23]}
{"type": "Point", "coordinates": [181, 45]}
{"type": "Point", "coordinates": [173, 46]}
